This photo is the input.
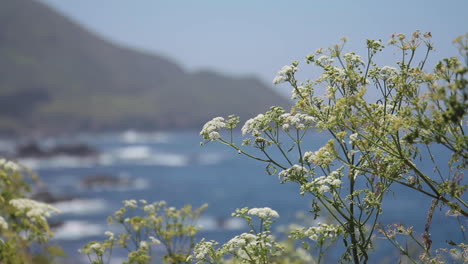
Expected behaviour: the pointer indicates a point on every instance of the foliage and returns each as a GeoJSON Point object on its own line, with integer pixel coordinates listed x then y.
{"type": "Point", "coordinates": [172, 228]}
{"type": "Point", "coordinates": [257, 246]}
{"type": "Point", "coordinates": [23, 222]}
{"type": "Point", "coordinates": [374, 143]}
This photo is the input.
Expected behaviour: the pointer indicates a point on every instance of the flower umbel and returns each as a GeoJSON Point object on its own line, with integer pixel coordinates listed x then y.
{"type": "Point", "coordinates": [210, 130]}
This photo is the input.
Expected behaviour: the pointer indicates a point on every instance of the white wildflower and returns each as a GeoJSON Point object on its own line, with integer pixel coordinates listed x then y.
{"type": "Point", "coordinates": [321, 157]}
{"type": "Point", "coordinates": [298, 121]}
{"type": "Point", "coordinates": [154, 240]}
{"type": "Point", "coordinates": [130, 203]}
{"type": "Point", "coordinates": [296, 171]}
{"type": "Point", "coordinates": [33, 209]}
{"type": "Point", "coordinates": [144, 245]}
{"type": "Point", "coordinates": [353, 58]}
{"type": "Point", "coordinates": [210, 130]}
{"type": "Point", "coordinates": [240, 241]}
{"type": "Point", "coordinates": [323, 231]}
{"type": "Point", "coordinates": [388, 72]}
{"type": "Point", "coordinates": [214, 135]}
{"type": "Point", "coordinates": [9, 165]}
{"type": "Point", "coordinates": [149, 207]}
{"type": "Point", "coordinates": [202, 249]}
{"type": "Point", "coordinates": [97, 247]}
{"type": "Point", "coordinates": [3, 223]}
{"type": "Point", "coordinates": [263, 212]}
{"type": "Point", "coordinates": [324, 189]}
{"type": "Point", "coordinates": [299, 92]}
{"type": "Point", "coordinates": [309, 156]}
{"type": "Point", "coordinates": [336, 182]}
{"type": "Point", "coordinates": [284, 74]}
{"type": "Point", "coordinates": [254, 125]}
{"type": "Point", "coordinates": [279, 79]}
{"type": "Point", "coordinates": [324, 59]}
{"type": "Point", "coordinates": [109, 234]}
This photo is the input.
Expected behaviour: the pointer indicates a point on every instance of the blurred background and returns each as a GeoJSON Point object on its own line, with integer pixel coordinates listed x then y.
{"type": "Point", "coordinates": [105, 99]}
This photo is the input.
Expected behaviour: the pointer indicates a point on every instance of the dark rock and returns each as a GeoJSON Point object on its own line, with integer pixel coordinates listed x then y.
{"type": "Point", "coordinates": [33, 150]}
{"type": "Point", "coordinates": [46, 196]}
{"type": "Point", "coordinates": [105, 181]}
{"type": "Point", "coordinates": [80, 150]}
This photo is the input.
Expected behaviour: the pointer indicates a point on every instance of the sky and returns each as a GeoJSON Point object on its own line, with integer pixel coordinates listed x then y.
{"type": "Point", "coordinates": [258, 37]}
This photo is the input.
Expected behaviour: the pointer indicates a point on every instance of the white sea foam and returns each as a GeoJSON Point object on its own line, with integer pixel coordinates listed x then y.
{"type": "Point", "coordinates": [144, 155]}
{"type": "Point", "coordinates": [133, 153]}
{"type": "Point", "coordinates": [73, 230]}
{"type": "Point", "coordinates": [220, 224]}
{"type": "Point", "coordinates": [81, 206]}
{"type": "Point", "coordinates": [58, 162]}
{"type": "Point", "coordinates": [167, 159]}
{"type": "Point", "coordinates": [210, 158]}
{"type": "Point", "coordinates": [132, 137]}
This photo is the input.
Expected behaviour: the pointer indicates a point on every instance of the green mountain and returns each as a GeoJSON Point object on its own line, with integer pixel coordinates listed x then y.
{"type": "Point", "coordinates": [56, 77]}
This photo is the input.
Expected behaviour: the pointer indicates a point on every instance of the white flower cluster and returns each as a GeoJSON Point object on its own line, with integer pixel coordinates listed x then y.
{"type": "Point", "coordinates": [298, 121]}
{"type": "Point", "coordinates": [353, 58]}
{"type": "Point", "coordinates": [254, 125]}
{"type": "Point", "coordinates": [202, 249]}
{"type": "Point", "coordinates": [325, 182]}
{"type": "Point", "coordinates": [332, 73]}
{"type": "Point", "coordinates": [109, 234]}
{"type": "Point", "coordinates": [144, 245]}
{"type": "Point", "coordinates": [323, 231]}
{"type": "Point", "coordinates": [263, 213]}
{"type": "Point", "coordinates": [324, 59]}
{"type": "Point", "coordinates": [321, 157]}
{"type": "Point", "coordinates": [298, 93]}
{"type": "Point", "coordinates": [130, 203]}
{"type": "Point", "coordinates": [248, 246]}
{"type": "Point", "coordinates": [284, 74]}
{"type": "Point", "coordinates": [210, 130]}
{"type": "Point", "coordinates": [154, 240]}
{"type": "Point", "coordinates": [387, 72]}
{"type": "Point", "coordinates": [3, 223]}
{"type": "Point", "coordinates": [97, 248]}
{"type": "Point", "coordinates": [93, 247]}
{"type": "Point", "coordinates": [353, 137]}
{"type": "Point", "coordinates": [33, 209]}
{"type": "Point", "coordinates": [9, 165]}
{"type": "Point", "coordinates": [240, 241]}
{"type": "Point", "coordinates": [296, 171]}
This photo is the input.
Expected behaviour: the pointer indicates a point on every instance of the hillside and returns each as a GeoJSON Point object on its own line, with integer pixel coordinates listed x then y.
{"type": "Point", "coordinates": [56, 77]}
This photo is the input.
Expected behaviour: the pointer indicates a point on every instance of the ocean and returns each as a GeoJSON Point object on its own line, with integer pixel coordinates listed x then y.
{"type": "Point", "coordinates": [174, 167]}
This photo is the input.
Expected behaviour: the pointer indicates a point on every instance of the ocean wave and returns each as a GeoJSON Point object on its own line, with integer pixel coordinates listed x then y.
{"type": "Point", "coordinates": [74, 230]}
{"type": "Point", "coordinates": [132, 137]}
{"type": "Point", "coordinates": [144, 155]}
{"type": "Point", "coordinates": [58, 162]}
{"type": "Point", "coordinates": [220, 224]}
{"type": "Point", "coordinates": [133, 153]}
{"type": "Point", "coordinates": [138, 155]}
{"type": "Point", "coordinates": [81, 206]}
{"type": "Point", "coordinates": [210, 158]}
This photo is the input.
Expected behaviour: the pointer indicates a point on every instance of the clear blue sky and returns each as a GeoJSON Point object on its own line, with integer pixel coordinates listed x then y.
{"type": "Point", "coordinates": [258, 37]}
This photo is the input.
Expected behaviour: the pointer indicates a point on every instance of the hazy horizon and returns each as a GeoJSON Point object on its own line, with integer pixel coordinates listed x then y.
{"type": "Point", "coordinates": [258, 38]}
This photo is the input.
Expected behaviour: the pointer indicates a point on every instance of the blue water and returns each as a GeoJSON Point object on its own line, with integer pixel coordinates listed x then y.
{"type": "Point", "coordinates": [175, 168]}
